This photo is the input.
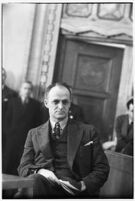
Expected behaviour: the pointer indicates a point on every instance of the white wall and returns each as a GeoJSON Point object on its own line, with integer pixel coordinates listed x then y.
{"type": "Point", "coordinates": [17, 30]}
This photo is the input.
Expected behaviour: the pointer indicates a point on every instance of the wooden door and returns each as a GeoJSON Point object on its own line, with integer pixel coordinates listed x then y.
{"type": "Point", "coordinates": [93, 71]}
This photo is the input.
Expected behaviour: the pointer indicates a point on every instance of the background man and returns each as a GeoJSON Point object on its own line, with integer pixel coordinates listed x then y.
{"type": "Point", "coordinates": [6, 91]}
{"type": "Point", "coordinates": [7, 94]}
{"type": "Point", "coordinates": [124, 130]}
{"type": "Point", "coordinates": [23, 113]}
{"type": "Point", "coordinates": [123, 141]}
{"type": "Point", "coordinates": [63, 156]}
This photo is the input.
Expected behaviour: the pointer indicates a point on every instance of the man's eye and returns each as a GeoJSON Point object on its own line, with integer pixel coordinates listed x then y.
{"type": "Point", "coordinates": [56, 102]}
{"type": "Point", "coordinates": [65, 102]}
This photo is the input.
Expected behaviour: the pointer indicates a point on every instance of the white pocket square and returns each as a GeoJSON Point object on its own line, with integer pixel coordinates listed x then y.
{"type": "Point", "coordinates": [88, 143]}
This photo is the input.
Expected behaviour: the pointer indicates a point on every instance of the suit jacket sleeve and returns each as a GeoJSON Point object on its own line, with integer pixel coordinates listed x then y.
{"type": "Point", "coordinates": [33, 158]}
{"type": "Point", "coordinates": [121, 139]}
{"type": "Point", "coordinates": [118, 127]}
{"type": "Point", "coordinates": [9, 118]}
{"type": "Point", "coordinates": [27, 160]}
{"type": "Point", "coordinates": [99, 168]}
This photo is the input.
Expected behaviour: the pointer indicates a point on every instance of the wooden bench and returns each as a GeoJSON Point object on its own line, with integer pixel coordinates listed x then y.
{"type": "Point", "coordinates": [10, 182]}
{"type": "Point", "coordinates": [118, 185]}
{"type": "Point", "coordinates": [120, 180]}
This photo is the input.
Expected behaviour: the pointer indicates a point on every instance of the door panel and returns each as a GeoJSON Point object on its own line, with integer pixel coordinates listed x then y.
{"type": "Point", "coordinates": [93, 71]}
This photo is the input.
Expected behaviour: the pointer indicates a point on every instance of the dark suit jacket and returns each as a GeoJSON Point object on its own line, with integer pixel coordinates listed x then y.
{"type": "Point", "coordinates": [20, 119]}
{"type": "Point", "coordinates": [7, 94]}
{"type": "Point", "coordinates": [124, 136]}
{"type": "Point", "coordinates": [92, 163]}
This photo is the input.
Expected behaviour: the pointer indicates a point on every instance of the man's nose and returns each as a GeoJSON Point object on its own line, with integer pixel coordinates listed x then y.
{"type": "Point", "coordinates": [60, 105]}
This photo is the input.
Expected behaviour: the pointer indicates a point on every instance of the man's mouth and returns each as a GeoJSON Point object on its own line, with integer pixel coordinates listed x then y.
{"type": "Point", "coordinates": [60, 112]}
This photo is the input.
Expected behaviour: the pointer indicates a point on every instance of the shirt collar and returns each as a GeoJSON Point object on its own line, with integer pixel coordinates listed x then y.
{"type": "Point", "coordinates": [130, 120]}
{"type": "Point", "coordinates": [24, 99]}
{"type": "Point", "coordinates": [62, 123]}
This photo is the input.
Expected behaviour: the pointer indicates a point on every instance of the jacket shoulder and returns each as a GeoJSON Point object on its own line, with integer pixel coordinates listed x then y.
{"type": "Point", "coordinates": [86, 128]}
{"type": "Point", "coordinates": [122, 117]}
{"type": "Point", "coordinates": [34, 101]}
{"type": "Point", "coordinates": [84, 125]}
{"type": "Point", "coordinates": [36, 129]}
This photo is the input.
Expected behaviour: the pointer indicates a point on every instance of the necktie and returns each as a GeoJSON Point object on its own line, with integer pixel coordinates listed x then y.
{"type": "Point", "coordinates": [130, 126]}
{"type": "Point", "coordinates": [24, 101]}
{"type": "Point", "coordinates": [56, 131]}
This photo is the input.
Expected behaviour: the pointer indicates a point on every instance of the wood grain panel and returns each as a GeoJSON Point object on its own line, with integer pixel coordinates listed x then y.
{"type": "Point", "coordinates": [92, 107]}
{"type": "Point", "coordinates": [93, 73]}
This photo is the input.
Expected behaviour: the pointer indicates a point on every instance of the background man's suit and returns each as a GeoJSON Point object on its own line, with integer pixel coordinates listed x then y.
{"type": "Point", "coordinates": [124, 135]}
{"type": "Point", "coordinates": [20, 119]}
{"type": "Point", "coordinates": [84, 154]}
{"type": "Point", "coordinates": [7, 95]}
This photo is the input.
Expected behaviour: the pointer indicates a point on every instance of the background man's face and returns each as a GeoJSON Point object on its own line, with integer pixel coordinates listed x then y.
{"type": "Point", "coordinates": [131, 111]}
{"type": "Point", "coordinates": [3, 76]}
{"type": "Point", "coordinates": [58, 103]}
{"type": "Point", "coordinates": [25, 90]}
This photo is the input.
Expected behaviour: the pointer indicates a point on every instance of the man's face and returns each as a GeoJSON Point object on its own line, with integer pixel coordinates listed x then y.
{"type": "Point", "coordinates": [25, 90]}
{"type": "Point", "coordinates": [131, 111]}
{"type": "Point", "coordinates": [58, 103]}
{"type": "Point", "coordinates": [3, 76]}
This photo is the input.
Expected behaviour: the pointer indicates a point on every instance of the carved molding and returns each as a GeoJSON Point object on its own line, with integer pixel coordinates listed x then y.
{"type": "Point", "coordinates": [49, 46]}
{"type": "Point", "coordinates": [78, 10]}
{"type": "Point", "coordinates": [111, 11]}
{"type": "Point", "coordinates": [105, 20]}
{"type": "Point", "coordinates": [100, 27]}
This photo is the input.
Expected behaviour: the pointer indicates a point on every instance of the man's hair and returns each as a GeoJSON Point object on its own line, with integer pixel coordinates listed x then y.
{"type": "Point", "coordinates": [129, 102]}
{"type": "Point", "coordinates": [4, 71]}
{"type": "Point", "coordinates": [28, 82]}
{"type": "Point", "coordinates": [60, 84]}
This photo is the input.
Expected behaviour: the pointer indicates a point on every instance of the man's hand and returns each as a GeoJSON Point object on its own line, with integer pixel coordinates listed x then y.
{"type": "Point", "coordinates": [83, 186]}
{"type": "Point", "coordinates": [48, 174]}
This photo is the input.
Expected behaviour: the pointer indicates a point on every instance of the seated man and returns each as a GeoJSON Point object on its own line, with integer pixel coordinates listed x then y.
{"type": "Point", "coordinates": [123, 142]}
{"type": "Point", "coordinates": [124, 130]}
{"type": "Point", "coordinates": [63, 156]}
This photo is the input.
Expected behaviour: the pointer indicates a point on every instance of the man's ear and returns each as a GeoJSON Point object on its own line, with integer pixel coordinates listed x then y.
{"type": "Point", "coordinates": [46, 103]}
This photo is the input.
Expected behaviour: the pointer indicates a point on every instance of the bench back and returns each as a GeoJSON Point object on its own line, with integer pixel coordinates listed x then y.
{"type": "Point", "coordinates": [120, 180]}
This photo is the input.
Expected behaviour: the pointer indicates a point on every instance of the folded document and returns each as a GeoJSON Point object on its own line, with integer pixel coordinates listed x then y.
{"type": "Point", "coordinates": [52, 177]}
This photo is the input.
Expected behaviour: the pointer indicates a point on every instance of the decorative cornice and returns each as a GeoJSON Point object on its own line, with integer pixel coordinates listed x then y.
{"type": "Point", "coordinates": [101, 27]}
{"type": "Point", "coordinates": [104, 20]}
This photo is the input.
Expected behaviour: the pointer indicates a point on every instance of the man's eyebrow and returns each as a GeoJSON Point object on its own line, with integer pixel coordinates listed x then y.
{"type": "Point", "coordinates": [65, 99]}
{"type": "Point", "coordinates": [56, 100]}
{"type": "Point", "coordinates": [60, 100]}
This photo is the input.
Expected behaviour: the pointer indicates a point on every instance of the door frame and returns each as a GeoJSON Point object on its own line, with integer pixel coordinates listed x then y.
{"type": "Point", "coordinates": [126, 78]}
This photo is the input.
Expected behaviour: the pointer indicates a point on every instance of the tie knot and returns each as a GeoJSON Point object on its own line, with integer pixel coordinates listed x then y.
{"type": "Point", "coordinates": [57, 125]}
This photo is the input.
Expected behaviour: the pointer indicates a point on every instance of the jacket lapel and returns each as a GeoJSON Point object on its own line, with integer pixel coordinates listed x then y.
{"type": "Point", "coordinates": [43, 139]}
{"type": "Point", "coordinates": [73, 141]}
